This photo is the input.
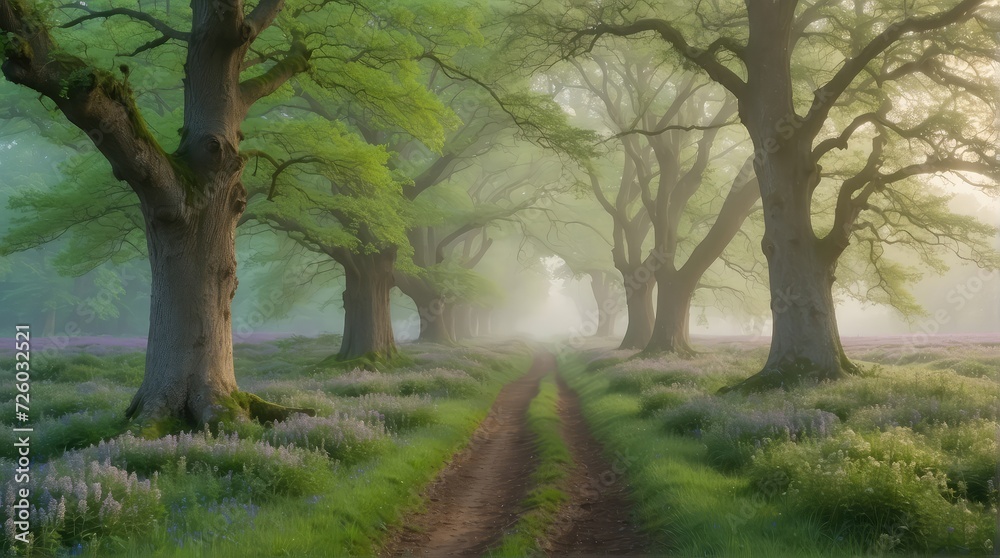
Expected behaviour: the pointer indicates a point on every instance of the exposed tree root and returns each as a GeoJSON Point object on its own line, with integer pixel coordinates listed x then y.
{"type": "Point", "coordinates": [240, 405]}
{"type": "Point", "coordinates": [789, 374]}
{"type": "Point", "coordinates": [265, 411]}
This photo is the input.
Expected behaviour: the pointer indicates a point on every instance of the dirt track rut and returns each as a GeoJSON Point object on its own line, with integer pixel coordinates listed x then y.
{"type": "Point", "coordinates": [479, 495]}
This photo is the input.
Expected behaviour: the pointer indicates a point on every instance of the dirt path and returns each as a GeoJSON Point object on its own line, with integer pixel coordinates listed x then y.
{"type": "Point", "coordinates": [597, 521]}
{"type": "Point", "coordinates": [478, 496]}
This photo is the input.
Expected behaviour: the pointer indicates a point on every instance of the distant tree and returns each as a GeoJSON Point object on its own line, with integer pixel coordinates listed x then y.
{"type": "Point", "coordinates": [915, 83]}
{"type": "Point", "coordinates": [577, 230]}
{"type": "Point", "coordinates": [668, 123]}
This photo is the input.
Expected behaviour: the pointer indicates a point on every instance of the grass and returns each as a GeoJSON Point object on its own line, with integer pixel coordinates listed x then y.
{"type": "Point", "coordinates": [332, 485]}
{"type": "Point", "coordinates": [549, 479]}
{"type": "Point", "coordinates": [898, 461]}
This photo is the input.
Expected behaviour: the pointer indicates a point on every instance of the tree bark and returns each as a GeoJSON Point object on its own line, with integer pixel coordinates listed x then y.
{"type": "Point", "coordinates": [433, 322]}
{"type": "Point", "coordinates": [805, 343]}
{"type": "Point", "coordinates": [639, 300]}
{"type": "Point", "coordinates": [671, 329]}
{"type": "Point", "coordinates": [676, 288]}
{"type": "Point", "coordinates": [431, 308]}
{"type": "Point", "coordinates": [367, 313]}
{"type": "Point", "coordinates": [189, 356]}
{"type": "Point", "coordinates": [191, 200]}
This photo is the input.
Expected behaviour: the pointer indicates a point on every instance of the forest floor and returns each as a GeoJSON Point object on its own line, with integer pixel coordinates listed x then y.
{"type": "Point", "coordinates": [495, 449]}
{"type": "Point", "coordinates": [478, 498]}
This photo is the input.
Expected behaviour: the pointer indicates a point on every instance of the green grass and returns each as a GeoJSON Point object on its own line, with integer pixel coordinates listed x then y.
{"type": "Point", "coordinates": [688, 507]}
{"type": "Point", "coordinates": [347, 516]}
{"type": "Point", "coordinates": [898, 460]}
{"type": "Point", "coordinates": [554, 464]}
{"type": "Point", "coordinates": [298, 503]}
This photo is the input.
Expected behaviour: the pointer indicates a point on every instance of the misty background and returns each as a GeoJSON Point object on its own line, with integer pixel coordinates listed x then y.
{"type": "Point", "coordinates": [537, 295]}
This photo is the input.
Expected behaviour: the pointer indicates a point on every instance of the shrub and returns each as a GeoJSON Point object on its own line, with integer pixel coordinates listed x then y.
{"type": "Point", "coordinates": [972, 454]}
{"type": "Point", "coordinates": [76, 430]}
{"type": "Point", "coordinates": [75, 498]}
{"type": "Point", "coordinates": [126, 369]}
{"type": "Point", "coordinates": [658, 398]}
{"type": "Point", "coordinates": [262, 467]}
{"type": "Point", "coordinates": [905, 397]}
{"type": "Point", "coordinates": [880, 486]}
{"type": "Point", "coordinates": [441, 381]}
{"type": "Point", "coordinates": [398, 412]}
{"type": "Point", "coordinates": [348, 439]}
{"type": "Point", "coordinates": [693, 416]}
{"type": "Point", "coordinates": [52, 400]}
{"type": "Point", "coordinates": [734, 436]}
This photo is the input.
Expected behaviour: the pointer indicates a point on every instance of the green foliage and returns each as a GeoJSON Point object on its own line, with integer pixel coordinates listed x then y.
{"type": "Point", "coordinates": [197, 493]}
{"type": "Point", "coordinates": [125, 369]}
{"type": "Point", "coordinates": [908, 467]}
{"type": "Point", "coordinates": [660, 397]}
{"type": "Point", "coordinates": [887, 487]}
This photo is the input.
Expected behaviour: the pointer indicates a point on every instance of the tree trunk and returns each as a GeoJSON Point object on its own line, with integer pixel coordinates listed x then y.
{"type": "Point", "coordinates": [639, 301]}
{"type": "Point", "coordinates": [191, 200]}
{"type": "Point", "coordinates": [431, 308]}
{"type": "Point", "coordinates": [189, 356]}
{"type": "Point", "coordinates": [671, 330]}
{"type": "Point", "coordinates": [805, 342]}
{"type": "Point", "coordinates": [607, 303]}
{"type": "Point", "coordinates": [433, 322]}
{"type": "Point", "coordinates": [367, 315]}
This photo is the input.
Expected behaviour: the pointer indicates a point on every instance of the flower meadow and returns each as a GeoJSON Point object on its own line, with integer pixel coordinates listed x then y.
{"type": "Point", "coordinates": [899, 459]}
{"type": "Point", "coordinates": [99, 488]}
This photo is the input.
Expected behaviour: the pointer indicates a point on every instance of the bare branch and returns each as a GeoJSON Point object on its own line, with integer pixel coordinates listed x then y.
{"type": "Point", "coordinates": [704, 58]}
{"type": "Point", "coordinates": [826, 96]}
{"type": "Point", "coordinates": [157, 24]}
{"type": "Point", "coordinates": [675, 127]}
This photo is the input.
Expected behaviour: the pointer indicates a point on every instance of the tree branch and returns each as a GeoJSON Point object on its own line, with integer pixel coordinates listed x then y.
{"type": "Point", "coordinates": [672, 128]}
{"type": "Point", "coordinates": [159, 25]}
{"type": "Point", "coordinates": [279, 167]}
{"type": "Point", "coordinates": [95, 102]}
{"type": "Point", "coordinates": [429, 177]}
{"type": "Point", "coordinates": [705, 59]}
{"type": "Point", "coordinates": [827, 95]}
{"type": "Point", "coordinates": [260, 18]}
{"type": "Point", "coordinates": [295, 62]}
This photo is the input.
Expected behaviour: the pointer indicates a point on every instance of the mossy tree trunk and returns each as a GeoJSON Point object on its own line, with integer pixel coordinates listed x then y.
{"type": "Point", "coordinates": [191, 200]}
